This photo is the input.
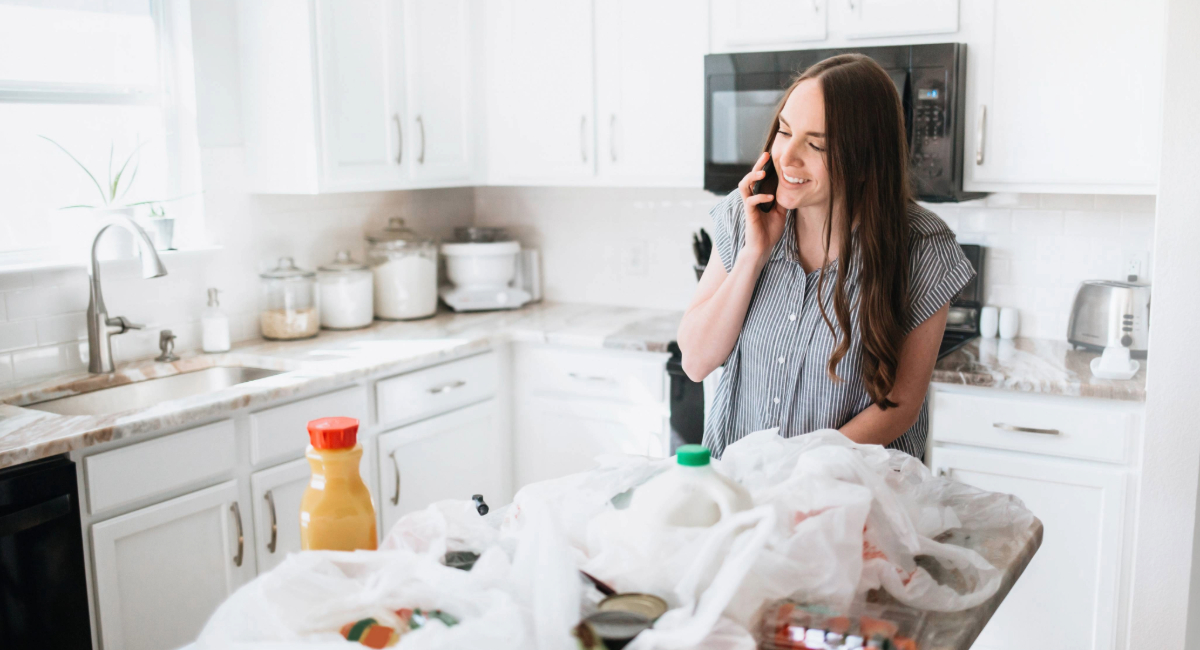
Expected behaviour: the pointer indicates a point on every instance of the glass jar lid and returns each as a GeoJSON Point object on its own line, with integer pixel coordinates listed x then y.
{"type": "Point", "coordinates": [343, 263]}
{"type": "Point", "coordinates": [398, 234]}
{"type": "Point", "coordinates": [480, 234]}
{"type": "Point", "coordinates": [286, 269]}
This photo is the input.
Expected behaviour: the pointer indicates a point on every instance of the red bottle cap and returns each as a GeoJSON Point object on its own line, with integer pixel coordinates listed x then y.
{"type": "Point", "coordinates": [333, 433]}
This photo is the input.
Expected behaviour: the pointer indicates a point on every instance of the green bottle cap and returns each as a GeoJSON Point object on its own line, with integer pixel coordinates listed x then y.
{"type": "Point", "coordinates": [692, 455]}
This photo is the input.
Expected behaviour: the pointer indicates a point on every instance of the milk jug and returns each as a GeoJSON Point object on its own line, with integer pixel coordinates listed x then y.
{"type": "Point", "coordinates": [691, 493]}
{"type": "Point", "coordinates": [336, 513]}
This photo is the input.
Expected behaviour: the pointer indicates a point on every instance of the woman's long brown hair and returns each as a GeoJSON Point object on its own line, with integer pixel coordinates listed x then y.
{"type": "Point", "coordinates": [867, 157]}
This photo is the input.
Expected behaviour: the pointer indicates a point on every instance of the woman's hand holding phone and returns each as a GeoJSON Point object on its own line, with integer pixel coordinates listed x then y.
{"type": "Point", "coordinates": [765, 218]}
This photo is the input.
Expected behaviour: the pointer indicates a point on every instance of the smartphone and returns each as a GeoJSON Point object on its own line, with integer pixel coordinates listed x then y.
{"type": "Point", "coordinates": [768, 184]}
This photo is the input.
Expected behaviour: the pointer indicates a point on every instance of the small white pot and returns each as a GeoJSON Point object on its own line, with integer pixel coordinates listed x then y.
{"type": "Point", "coordinates": [117, 243]}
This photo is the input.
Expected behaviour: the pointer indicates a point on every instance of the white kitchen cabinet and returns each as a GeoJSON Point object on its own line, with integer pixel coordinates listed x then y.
{"type": "Point", "coordinates": [322, 95]}
{"type": "Point", "coordinates": [650, 92]}
{"type": "Point", "coordinates": [738, 24]}
{"type": "Point", "coordinates": [877, 18]}
{"type": "Point", "coordinates": [555, 437]}
{"type": "Point", "coordinates": [451, 456]}
{"type": "Point", "coordinates": [276, 495]}
{"type": "Point", "coordinates": [540, 87]}
{"type": "Point", "coordinates": [159, 572]}
{"type": "Point", "coordinates": [1068, 596]}
{"type": "Point", "coordinates": [1065, 97]}
{"type": "Point", "coordinates": [438, 47]}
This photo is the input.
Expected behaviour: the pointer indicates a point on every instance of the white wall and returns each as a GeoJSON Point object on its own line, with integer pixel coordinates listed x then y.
{"type": "Point", "coordinates": [633, 246]}
{"type": "Point", "coordinates": [1166, 572]}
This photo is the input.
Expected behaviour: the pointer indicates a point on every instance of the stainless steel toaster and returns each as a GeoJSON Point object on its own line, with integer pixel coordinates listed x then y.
{"type": "Point", "coordinates": [1109, 311]}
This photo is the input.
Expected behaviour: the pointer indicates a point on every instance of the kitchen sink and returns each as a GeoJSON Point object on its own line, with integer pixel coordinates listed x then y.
{"type": "Point", "coordinates": [141, 394]}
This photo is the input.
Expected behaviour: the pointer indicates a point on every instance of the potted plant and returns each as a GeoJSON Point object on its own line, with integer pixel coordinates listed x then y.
{"type": "Point", "coordinates": [161, 228]}
{"type": "Point", "coordinates": [119, 243]}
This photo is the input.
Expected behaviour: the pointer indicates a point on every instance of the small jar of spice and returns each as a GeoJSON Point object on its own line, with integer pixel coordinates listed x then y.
{"type": "Point", "coordinates": [290, 303]}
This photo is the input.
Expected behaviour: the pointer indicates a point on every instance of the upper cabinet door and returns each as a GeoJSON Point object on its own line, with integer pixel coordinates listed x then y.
{"type": "Point", "coordinates": [358, 122]}
{"type": "Point", "coordinates": [650, 91]}
{"type": "Point", "coordinates": [874, 18]}
{"type": "Point", "coordinates": [437, 40]}
{"type": "Point", "coordinates": [1066, 96]}
{"type": "Point", "coordinates": [742, 24]}
{"type": "Point", "coordinates": [542, 128]}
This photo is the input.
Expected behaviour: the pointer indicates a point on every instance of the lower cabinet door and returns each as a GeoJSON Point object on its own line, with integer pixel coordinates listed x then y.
{"type": "Point", "coordinates": [556, 437]}
{"type": "Point", "coordinates": [451, 456]}
{"type": "Point", "coordinates": [276, 493]}
{"type": "Point", "coordinates": [161, 571]}
{"type": "Point", "coordinates": [1068, 596]}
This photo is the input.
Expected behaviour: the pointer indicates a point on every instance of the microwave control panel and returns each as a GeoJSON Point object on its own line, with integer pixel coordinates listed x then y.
{"type": "Point", "coordinates": [931, 148]}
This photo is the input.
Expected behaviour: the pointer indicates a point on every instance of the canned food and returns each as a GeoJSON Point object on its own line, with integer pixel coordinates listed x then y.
{"type": "Point", "coordinates": [617, 628]}
{"type": "Point", "coordinates": [646, 605]}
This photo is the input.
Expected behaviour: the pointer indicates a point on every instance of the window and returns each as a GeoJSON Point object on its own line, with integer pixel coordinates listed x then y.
{"type": "Point", "coordinates": [101, 78]}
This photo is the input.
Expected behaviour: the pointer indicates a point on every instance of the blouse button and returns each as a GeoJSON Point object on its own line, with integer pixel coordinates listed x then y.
{"type": "Point", "coordinates": [781, 359]}
{"type": "Point", "coordinates": [791, 317]}
{"type": "Point", "coordinates": [776, 400]}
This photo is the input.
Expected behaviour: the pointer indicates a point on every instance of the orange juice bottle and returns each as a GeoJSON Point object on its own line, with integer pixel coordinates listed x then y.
{"type": "Point", "coordinates": [336, 513]}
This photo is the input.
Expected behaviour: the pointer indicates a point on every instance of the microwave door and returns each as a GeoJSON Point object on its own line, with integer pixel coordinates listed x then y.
{"type": "Point", "coordinates": [737, 120]}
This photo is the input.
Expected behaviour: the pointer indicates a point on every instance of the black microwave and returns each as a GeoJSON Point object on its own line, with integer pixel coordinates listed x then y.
{"type": "Point", "coordinates": [742, 90]}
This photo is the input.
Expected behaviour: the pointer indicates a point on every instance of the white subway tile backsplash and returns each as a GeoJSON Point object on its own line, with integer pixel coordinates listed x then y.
{"type": "Point", "coordinates": [1126, 202]}
{"type": "Point", "coordinates": [985, 220]}
{"type": "Point", "coordinates": [15, 335]}
{"type": "Point", "coordinates": [46, 301]}
{"type": "Point", "coordinates": [6, 369]}
{"type": "Point", "coordinates": [1007, 200]}
{"type": "Point", "coordinates": [49, 360]}
{"type": "Point", "coordinates": [1077, 222]}
{"type": "Point", "coordinates": [1041, 222]}
{"type": "Point", "coordinates": [62, 328]}
{"type": "Point", "coordinates": [13, 281]}
{"type": "Point", "coordinates": [1137, 223]}
{"type": "Point", "coordinates": [1067, 201]}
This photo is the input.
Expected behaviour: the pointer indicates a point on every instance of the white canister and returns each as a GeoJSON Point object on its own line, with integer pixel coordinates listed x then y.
{"type": "Point", "coordinates": [1009, 323]}
{"type": "Point", "coordinates": [347, 293]}
{"type": "Point", "coordinates": [989, 321]}
{"type": "Point", "coordinates": [405, 265]}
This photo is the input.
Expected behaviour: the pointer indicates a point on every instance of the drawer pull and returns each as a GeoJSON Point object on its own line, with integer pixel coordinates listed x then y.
{"type": "Point", "coordinates": [446, 388]}
{"type": "Point", "coordinates": [1009, 427]}
{"type": "Point", "coordinates": [593, 378]}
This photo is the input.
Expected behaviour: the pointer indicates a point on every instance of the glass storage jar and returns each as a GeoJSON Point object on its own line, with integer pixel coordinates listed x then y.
{"type": "Point", "coordinates": [347, 296]}
{"type": "Point", "coordinates": [405, 268]}
{"type": "Point", "coordinates": [290, 302]}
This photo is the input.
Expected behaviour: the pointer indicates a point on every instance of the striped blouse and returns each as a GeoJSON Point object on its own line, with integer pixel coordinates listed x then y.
{"type": "Point", "coordinates": [776, 374]}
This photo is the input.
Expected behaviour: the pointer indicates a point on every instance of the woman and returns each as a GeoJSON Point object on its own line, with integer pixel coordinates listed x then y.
{"type": "Point", "coordinates": [843, 227]}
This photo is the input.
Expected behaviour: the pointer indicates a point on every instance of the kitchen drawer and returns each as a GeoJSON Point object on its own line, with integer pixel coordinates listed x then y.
{"type": "Point", "coordinates": [636, 378]}
{"type": "Point", "coordinates": [282, 432]}
{"type": "Point", "coordinates": [122, 476]}
{"type": "Point", "coordinates": [430, 391]}
{"type": "Point", "coordinates": [1089, 429]}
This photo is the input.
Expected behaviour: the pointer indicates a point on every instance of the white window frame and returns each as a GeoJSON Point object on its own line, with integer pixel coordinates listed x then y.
{"type": "Point", "coordinates": [176, 93]}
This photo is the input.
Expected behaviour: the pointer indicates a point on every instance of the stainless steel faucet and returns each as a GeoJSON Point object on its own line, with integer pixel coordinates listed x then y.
{"type": "Point", "coordinates": [101, 328]}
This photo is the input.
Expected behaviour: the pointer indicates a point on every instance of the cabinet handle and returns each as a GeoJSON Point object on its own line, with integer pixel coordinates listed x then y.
{"type": "Point", "coordinates": [237, 517]}
{"type": "Point", "coordinates": [1009, 427]}
{"type": "Point", "coordinates": [396, 465]}
{"type": "Point", "coordinates": [583, 138]}
{"type": "Point", "coordinates": [612, 137]}
{"type": "Point", "coordinates": [446, 388]}
{"type": "Point", "coordinates": [579, 377]}
{"type": "Point", "coordinates": [399, 138]}
{"type": "Point", "coordinates": [816, 7]}
{"type": "Point", "coordinates": [421, 155]}
{"type": "Point", "coordinates": [274, 525]}
{"type": "Point", "coordinates": [980, 129]}
{"type": "Point", "coordinates": [942, 472]}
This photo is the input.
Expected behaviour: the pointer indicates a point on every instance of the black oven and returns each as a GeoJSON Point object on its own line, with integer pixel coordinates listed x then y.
{"type": "Point", "coordinates": [742, 90]}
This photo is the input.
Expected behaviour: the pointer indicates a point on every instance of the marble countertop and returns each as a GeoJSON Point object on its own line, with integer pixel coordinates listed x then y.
{"type": "Point", "coordinates": [337, 358]}
{"type": "Point", "coordinates": [331, 359]}
{"type": "Point", "coordinates": [1035, 366]}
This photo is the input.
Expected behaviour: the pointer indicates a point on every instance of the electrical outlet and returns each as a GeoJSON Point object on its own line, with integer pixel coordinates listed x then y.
{"type": "Point", "coordinates": [1135, 266]}
{"type": "Point", "coordinates": [634, 262]}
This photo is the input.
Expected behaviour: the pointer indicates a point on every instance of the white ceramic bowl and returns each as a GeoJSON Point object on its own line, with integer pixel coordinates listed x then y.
{"type": "Point", "coordinates": [481, 265]}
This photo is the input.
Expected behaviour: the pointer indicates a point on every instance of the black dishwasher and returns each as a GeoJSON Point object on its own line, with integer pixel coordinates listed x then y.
{"type": "Point", "coordinates": [43, 589]}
